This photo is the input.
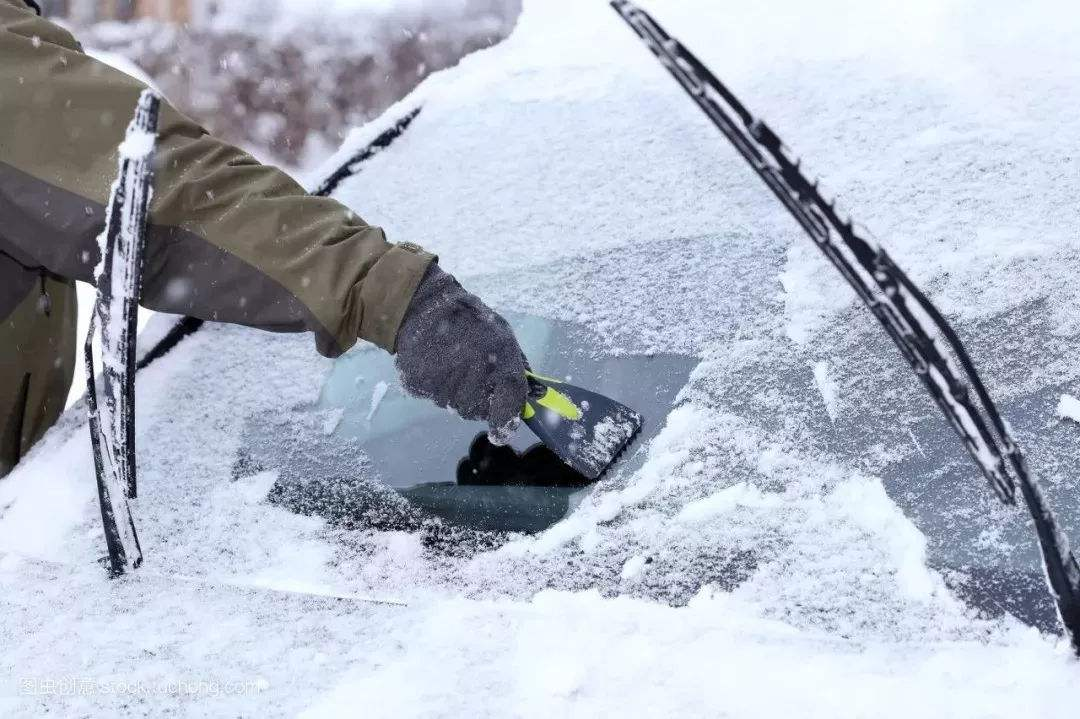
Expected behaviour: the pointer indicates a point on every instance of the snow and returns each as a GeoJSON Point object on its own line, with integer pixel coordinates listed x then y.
{"type": "Point", "coordinates": [634, 567]}
{"type": "Point", "coordinates": [137, 145]}
{"type": "Point", "coordinates": [758, 557]}
{"type": "Point", "coordinates": [1069, 408]}
{"type": "Point", "coordinates": [332, 421]}
{"type": "Point", "coordinates": [610, 436]}
{"type": "Point", "coordinates": [726, 500]}
{"type": "Point", "coordinates": [826, 385]}
{"type": "Point", "coordinates": [378, 393]}
{"type": "Point", "coordinates": [57, 490]}
{"type": "Point", "coordinates": [711, 658]}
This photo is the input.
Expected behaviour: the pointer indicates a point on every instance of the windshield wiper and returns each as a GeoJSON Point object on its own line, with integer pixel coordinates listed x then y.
{"type": "Point", "coordinates": [923, 336]}
{"type": "Point", "coordinates": [352, 164]}
{"type": "Point", "coordinates": [118, 277]}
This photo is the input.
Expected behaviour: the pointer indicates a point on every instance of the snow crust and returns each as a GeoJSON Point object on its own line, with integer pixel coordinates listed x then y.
{"type": "Point", "coordinates": [762, 556]}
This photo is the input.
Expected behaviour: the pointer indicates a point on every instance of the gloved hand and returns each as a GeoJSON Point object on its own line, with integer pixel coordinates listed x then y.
{"type": "Point", "coordinates": [456, 351]}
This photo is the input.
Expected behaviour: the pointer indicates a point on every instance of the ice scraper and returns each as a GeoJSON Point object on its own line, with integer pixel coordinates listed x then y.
{"type": "Point", "coordinates": [587, 431]}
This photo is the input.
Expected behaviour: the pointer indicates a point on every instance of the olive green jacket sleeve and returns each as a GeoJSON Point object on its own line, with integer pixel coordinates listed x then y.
{"type": "Point", "coordinates": [230, 239]}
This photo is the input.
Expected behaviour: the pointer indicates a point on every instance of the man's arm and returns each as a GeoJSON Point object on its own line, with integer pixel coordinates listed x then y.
{"type": "Point", "coordinates": [230, 239]}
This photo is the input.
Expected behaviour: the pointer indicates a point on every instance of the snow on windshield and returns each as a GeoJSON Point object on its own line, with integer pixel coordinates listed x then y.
{"type": "Point", "coordinates": [586, 174]}
{"type": "Point", "coordinates": [562, 174]}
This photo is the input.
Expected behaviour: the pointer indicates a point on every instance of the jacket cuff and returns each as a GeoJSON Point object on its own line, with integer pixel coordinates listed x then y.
{"type": "Point", "coordinates": [388, 289]}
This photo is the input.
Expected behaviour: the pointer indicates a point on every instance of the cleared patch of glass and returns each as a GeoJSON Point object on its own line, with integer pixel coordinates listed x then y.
{"type": "Point", "coordinates": [366, 435]}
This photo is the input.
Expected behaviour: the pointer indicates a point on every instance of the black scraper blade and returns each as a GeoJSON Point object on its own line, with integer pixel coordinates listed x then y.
{"type": "Point", "coordinates": [586, 430]}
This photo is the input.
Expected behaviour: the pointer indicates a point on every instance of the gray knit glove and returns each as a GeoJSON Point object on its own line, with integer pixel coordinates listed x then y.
{"type": "Point", "coordinates": [459, 353]}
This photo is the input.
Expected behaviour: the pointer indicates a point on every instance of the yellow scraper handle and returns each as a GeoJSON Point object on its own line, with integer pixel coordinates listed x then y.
{"type": "Point", "coordinates": [549, 398]}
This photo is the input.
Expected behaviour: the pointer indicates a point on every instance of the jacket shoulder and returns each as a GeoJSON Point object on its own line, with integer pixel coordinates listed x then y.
{"type": "Point", "coordinates": [18, 18]}
{"type": "Point", "coordinates": [23, 5]}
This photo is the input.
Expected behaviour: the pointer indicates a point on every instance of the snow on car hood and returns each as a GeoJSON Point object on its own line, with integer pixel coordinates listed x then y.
{"type": "Point", "coordinates": [802, 505]}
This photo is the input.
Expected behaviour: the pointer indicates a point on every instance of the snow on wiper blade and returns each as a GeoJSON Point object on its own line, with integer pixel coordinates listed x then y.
{"type": "Point", "coordinates": [914, 324]}
{"type": "Point", "coordinates": [352, 164]}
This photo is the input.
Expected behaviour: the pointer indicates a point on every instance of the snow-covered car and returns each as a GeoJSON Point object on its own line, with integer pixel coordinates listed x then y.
{"type": "Point", "coordinates": [798, 531]}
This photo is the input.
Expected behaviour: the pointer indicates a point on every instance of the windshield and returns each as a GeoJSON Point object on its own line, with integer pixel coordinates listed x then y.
{"type": "Point", "coordinates": [793, 476]}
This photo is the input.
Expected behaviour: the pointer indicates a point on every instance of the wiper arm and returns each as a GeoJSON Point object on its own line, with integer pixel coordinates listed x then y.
{"type": "Point", "coordinates": [920, 332]}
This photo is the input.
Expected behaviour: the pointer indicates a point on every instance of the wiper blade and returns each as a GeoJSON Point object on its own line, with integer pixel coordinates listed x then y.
{"type": "Point", "coordinates": [920, 332]}
{"type": "Point", "coordinates": [119, 284]}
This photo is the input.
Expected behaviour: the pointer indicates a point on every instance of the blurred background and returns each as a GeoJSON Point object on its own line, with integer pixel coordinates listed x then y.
{"type": "Point", "coordinates": [285, 79]}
